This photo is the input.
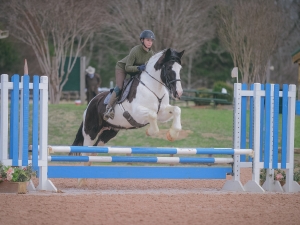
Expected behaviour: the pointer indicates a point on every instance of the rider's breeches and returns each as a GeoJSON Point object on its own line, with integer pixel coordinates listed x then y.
{"type": "Point", "coordinates": [120, 76]}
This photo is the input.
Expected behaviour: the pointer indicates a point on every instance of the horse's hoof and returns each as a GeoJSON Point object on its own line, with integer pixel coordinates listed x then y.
{"type": "Point", "coordinates": [169, 137]}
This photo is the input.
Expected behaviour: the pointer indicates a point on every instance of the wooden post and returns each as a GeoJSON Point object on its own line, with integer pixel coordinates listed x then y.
{"type": "Point", "coordinates": [82, 80]}
{"type": "Point", "coordinates": [25, 68]}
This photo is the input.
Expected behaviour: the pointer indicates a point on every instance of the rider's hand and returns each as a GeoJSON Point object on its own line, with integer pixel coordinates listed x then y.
{"type": "Point", "coordinates": [141, 67]}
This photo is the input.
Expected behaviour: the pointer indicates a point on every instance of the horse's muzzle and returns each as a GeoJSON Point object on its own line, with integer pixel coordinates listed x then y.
{"type": "Point", "coordinates": [177, 95]}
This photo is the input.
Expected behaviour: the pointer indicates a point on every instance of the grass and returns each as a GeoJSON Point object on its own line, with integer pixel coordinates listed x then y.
{"type": "Point", "coordinates": [206, 127]}
{"type": "Point", "coordinates": [64, 121]}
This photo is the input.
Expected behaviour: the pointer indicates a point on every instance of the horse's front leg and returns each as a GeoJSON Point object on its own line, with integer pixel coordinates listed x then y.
{"type": "Point", "coordinates": [167, 114]}
{"type": "Point", "coordinates": [151, 117]}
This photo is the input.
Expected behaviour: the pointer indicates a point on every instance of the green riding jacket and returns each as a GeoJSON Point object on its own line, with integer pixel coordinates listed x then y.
{"type": "Point", "coordinates": [137, 56]}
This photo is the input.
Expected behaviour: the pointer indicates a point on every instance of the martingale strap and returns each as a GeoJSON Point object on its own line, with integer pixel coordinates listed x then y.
{"type": "Point", "coordinates": [159, 99]}
{"type": "Point", "coordinates": [132, 121]}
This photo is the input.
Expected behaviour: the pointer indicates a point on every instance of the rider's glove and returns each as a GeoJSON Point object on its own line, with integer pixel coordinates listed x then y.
{"type": "Point", "coordinates": [141, 67]}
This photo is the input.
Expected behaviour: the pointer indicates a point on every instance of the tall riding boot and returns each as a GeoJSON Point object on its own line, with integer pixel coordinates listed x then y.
{"type": "Point", "coordinates": [110, 113]}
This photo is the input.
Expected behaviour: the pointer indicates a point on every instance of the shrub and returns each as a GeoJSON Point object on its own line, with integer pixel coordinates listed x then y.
{"type": "Point", "coordinates": [280, 175]}
{"type": "Point", "coordinates": [16, 174]}
{"type": "Point", "coordinates": [297, 173]}
{"type": "Point", "coordinates": [218, 88]}
{"type": "Point", "coordinates": [203, 95]}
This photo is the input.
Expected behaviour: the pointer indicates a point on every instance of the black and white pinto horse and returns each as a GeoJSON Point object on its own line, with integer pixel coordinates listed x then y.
{"type": "Point", "coordinates": [148, 103]}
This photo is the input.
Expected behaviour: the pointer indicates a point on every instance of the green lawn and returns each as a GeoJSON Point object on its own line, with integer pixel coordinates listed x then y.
{"type": "Point", "coordinates": [205, 128]}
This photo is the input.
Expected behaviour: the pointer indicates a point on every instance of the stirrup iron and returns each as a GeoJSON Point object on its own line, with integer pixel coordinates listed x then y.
{"type": "Point", "coordinates": [110, 113]}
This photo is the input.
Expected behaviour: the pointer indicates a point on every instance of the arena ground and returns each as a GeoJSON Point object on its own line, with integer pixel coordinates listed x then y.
{"type": "Point", "coordinates": [149, 202]}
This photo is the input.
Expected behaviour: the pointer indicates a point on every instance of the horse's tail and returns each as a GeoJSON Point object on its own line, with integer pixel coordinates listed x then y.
{"type": "Point", "coordinates": [78, 139]}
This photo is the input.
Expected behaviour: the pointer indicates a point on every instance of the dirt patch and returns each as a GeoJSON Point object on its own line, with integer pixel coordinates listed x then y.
{"type": "Point", "coordinates": [216, 136]}
{"type": "Point", "coordinates": [107, 201]}
{"type": "Point", "coordinates": [226, 107]}
{"type": "Point", "coordinates": [182, 135]}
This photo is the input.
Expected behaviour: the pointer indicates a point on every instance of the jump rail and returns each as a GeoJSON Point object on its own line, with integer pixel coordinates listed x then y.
{"type": "Point", "coordinates": [262, 135]}
{"type": "Point", "coordinates": [149, 150]}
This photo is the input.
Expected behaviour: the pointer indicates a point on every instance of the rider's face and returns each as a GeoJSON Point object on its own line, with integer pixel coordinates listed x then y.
{"type": "Point", "coordinates": [148, 42]}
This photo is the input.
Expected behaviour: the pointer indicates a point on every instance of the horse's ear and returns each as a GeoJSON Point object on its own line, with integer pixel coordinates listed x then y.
{"type": "Point", "coordinates": [168, 53]}
{"type": "Point", "coordinates": [160, 62]}
{"type": "Point", "coordinates": [181, 54]}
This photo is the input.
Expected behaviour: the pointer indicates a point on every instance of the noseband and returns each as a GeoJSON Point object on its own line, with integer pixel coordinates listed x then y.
{"type": "Point", "coordinates": [168, 82]}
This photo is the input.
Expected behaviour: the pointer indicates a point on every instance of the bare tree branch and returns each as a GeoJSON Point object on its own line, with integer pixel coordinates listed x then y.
{"type": "Point", "coordinates": [55, 29]}
{"type": "Point", "coordinates": [251, 31]}
{"type": "Point", "coordinates": [284, 69]}
{"type": "Point", "coordinates": [183, 25]}
{"type": "Point", "coordinates": [176, 24]}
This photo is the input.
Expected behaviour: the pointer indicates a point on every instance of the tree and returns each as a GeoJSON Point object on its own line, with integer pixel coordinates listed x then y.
{"type": "Point", "coordinates": [54, 29]}
{"type": "Point", "coordinates": [284, 69]}
{"type": "Point", "coordinates": [213, 64]}
{"type": "Point", "coordinates": [183, 25]}
{"type": "Point", "coordinates": [9, 56]}
{"type": "Point", "coordinates": [251, 31]}
{"type": "Point", "coordinates": [102, 52]}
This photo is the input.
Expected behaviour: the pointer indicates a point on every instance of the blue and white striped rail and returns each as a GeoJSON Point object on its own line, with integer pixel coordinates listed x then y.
{"type": "Point", "coordinates": [136, 159]}
{"type": "Point", "coordinates": [148, 150]}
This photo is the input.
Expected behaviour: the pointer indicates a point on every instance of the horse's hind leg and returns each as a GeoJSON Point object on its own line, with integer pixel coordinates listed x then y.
{"type": "Point", "coordinates": [83, 181]}
{"type": "Point", "coordinates": [168, 113]}
{"type": "Point", "coordinates": [87, 142]}
{"type": "Point", "coordinates": [103, 137]}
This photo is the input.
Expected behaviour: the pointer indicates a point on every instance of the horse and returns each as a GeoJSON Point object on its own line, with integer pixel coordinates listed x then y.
{"type": "Point", "coordinates": [147, 102]}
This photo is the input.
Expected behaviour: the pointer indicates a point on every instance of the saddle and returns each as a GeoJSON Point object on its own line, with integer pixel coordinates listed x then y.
{"type": "Point", "coordinates": [129, 93]}
{"type": "Point", "coordinates": [128, 90]}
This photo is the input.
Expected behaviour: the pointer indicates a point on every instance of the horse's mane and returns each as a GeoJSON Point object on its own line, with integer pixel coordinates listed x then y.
{"type": "Point", "coordinates": [155, 58]}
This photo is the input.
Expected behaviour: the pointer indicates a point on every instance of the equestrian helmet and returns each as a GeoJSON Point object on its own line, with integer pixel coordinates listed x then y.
{"type": "Point", "coordinates": [147, 34]}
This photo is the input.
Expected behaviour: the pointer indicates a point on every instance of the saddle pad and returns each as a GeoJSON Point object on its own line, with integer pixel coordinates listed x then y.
{"type": "Point", "coordinates": [106, 100]}
{"type": "Point", "coordinates": [127, 84]}
{"type": "Point", "coordinates": [125, 92]}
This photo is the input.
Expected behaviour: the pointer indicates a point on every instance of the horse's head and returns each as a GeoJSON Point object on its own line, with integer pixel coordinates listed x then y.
{"type": "Point", "coordinates": [170, 65]}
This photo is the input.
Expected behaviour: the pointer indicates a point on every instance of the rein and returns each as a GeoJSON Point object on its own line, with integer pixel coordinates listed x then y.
{"type": "Point", "coordinates": [168, 83]}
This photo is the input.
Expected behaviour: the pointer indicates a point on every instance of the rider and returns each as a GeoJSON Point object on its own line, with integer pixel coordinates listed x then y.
{"type": "Point", "coordinates": [132, 64]}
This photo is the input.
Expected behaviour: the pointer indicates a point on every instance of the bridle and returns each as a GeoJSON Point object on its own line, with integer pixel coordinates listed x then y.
{"type": "Point", "coordinates": [167, 84]}
{"type": "Point", "coordinates": [163, 73]}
